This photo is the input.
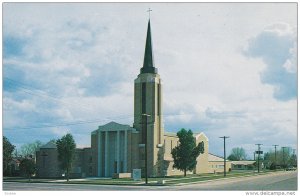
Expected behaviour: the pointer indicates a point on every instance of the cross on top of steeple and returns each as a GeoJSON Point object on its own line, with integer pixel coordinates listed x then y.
{"type": "Point", "coordinates": [149, 10]}
{"type": "Point", "coordinates": [148, 66]}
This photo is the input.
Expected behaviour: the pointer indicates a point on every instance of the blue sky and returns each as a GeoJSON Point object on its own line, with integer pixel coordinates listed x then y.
{"type": "Point", "coordinates": [227, 69]}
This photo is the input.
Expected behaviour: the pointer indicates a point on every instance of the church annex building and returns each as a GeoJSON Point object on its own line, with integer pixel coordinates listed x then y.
{"type": "Point", "coordinates": [117, 149]}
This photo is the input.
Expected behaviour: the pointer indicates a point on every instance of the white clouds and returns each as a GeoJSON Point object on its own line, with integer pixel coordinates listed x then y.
{"type": "Point", "coordinates": [291, 64]}
{"type": "Point", "coordinates": [276, 45]}
{"type": "Point", "coordinates": [88, 55]}
{"type": "Point", "coordinates": [24, 105]}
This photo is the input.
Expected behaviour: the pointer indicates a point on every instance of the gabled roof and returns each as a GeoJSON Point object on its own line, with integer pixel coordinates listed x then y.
{"type": "Point", "coordinates": [49, 145]}
{"type": "Point", "coordinates": [170, 134]}
{"type": "Point", "coordinates": [196, 135]}
{"type": "Point", "coordinates": [113, 126]}
{"type": "Point", "coordinates": [215, 158]}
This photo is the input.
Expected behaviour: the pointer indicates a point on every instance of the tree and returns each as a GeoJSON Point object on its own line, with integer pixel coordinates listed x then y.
{"type": "Point", "coordinates": [29, 149]}
{"type": "Point", "coordinates": [237, 154]}
{"type": "Point", "coordinates": [293, 160]}
{"type": "Point", "coordinates": [186, 153]}
{"type": "Point", "coordinates": [66, 150]}
{"type": "Point", "coordinates": [8, 149]}
{"type": "Point", "coordinates": [27, 167]}
{"type": "Point", "coordinates": [284, 158]}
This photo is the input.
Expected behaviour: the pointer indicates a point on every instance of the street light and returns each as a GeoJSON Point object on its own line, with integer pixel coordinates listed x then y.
{"type": "Point", "coordinates": [224, 137]}
{"type": "Point", "coordinates": [145, 140]}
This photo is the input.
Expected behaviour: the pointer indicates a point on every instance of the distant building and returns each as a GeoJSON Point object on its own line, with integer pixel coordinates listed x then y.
{"type": "Point", "coordinates": [243, 165]}
{"type": "Point", "coordinates": [216, 164]}
{"type": "Point", "coordinates": [14, 166]}
{"type": "Point", "coordinates": [48, 164]}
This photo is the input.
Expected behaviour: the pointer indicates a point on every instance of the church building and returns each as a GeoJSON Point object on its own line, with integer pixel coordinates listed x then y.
{"type": "Point", "coordinates": [117, 149]}
{"type": "Point", "coordinates": [120, 148]}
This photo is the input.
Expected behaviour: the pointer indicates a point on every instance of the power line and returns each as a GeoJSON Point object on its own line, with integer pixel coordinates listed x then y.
{"type": "Point", "coordinates": [25, 86]}
{"type": "Point", "coordinates": [41, 93]}
{"type": "Point", "coordinates": [63, 124]}
{"type": "Point", "coordinates": [79, 122]}
{"type": "Point", "coordinates": [44, 94]}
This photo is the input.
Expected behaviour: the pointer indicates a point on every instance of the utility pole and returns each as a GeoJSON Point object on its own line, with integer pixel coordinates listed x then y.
{"type": "Point", "coordinates": [145, 140]}
{"type": "Point", "coordinates": [224, 137]}
{"type": "Point", "coordinates": [258, 152]}
{"type": "Point", "coordinates": [283, 157]}
{"type": "Point", "coordinates": [275, 156]}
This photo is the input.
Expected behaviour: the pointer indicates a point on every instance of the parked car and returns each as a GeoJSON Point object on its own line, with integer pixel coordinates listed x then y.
{"type": "Point", "coordinates": [290, 169]}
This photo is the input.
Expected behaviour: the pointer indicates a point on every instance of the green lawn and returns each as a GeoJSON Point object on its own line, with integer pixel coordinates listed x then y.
{"type": "Point", "coordinates": [170, 180]}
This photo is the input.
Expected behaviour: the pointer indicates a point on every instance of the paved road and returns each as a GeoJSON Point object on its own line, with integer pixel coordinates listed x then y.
{"type": "Point", "coordinates": [274, 181]}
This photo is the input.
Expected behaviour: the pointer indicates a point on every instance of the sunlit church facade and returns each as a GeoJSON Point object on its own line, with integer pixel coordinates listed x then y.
{"type": "Point", "coordinates": [118, 149]}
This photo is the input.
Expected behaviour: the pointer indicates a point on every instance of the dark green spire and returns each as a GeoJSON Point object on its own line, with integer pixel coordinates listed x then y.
{"type": "Point", "coordinates": [148, 66]}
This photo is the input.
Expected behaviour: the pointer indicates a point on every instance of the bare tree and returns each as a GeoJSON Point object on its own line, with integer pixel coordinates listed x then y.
{"type": "Point", "coordinates": [237, 154]}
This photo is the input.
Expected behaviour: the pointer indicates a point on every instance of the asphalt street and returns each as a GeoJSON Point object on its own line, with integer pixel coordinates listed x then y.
{"type": "Point", "coordinates": [275, 181]}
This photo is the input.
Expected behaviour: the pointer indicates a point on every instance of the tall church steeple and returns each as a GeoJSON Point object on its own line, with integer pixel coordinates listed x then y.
{"type": "Point", "coordinates": [148, 100]}
{"type": "Point", "coordinates": [148, 66]}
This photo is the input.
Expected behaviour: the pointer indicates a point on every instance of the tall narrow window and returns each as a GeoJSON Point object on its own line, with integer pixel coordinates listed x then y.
{"type": "Point", "coordinates": [143, 98]}
{"type": "Point", "coordinates": [158, 99]}
{"type": "Point", "coordinates": [143, 112]}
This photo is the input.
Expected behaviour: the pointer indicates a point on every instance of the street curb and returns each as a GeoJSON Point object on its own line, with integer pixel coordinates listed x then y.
{"type": "Point", "coordinates": [219, 179]}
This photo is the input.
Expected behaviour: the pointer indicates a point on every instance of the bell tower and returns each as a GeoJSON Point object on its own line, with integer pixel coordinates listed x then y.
{"type": "Point", "coordinates": [148, 109]}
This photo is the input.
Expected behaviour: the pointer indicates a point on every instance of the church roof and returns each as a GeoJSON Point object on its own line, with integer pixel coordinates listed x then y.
{"type": "Point", "coordinates": [243, 162]}
{"type": "Point", "coordinates": [196, 135]}
{"type": "Point", "coordinates": [49, 145]}
{"type": "Point", "coordinates": [148, 66]}
{"type": "Point", "coordinates": [113, 126]}
{"type": "Point", "coordinates": [172, 134]}
{"type": "Point", "coordinates": [215, 158]}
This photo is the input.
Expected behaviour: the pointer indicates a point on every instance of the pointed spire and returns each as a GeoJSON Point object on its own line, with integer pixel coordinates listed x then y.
{"type": "Point", "coordinates": [148, 66]}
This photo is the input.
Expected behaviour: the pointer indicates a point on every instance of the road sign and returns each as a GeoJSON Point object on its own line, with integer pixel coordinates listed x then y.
{"type": "Point", "coordinates": [259, 152]}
